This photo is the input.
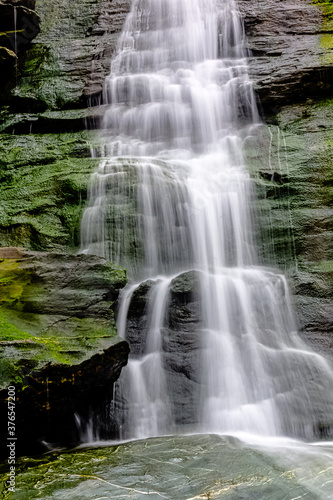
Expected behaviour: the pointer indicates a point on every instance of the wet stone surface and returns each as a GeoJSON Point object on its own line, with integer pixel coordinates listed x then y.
{"type": "Point", "coordinates": [202, 467]}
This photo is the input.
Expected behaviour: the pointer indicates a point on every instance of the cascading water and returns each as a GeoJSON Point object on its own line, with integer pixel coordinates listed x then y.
{"type": "Point", "coordinates": [172, 194]}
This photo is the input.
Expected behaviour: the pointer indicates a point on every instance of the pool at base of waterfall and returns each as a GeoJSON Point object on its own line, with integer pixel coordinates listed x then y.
{"type": "Point", "coordinates": [181, 468]}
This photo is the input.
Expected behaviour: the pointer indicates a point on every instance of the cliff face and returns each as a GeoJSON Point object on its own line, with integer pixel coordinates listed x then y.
{"type": "Point", "coordinates": [58, 342]}
{"type": "Point", "coordinates": [290, 44]}
{"type": "Point", "coordinates": [57, 327]}
{"type": "Point", "coordinates": [45, 160]}
{"type": "Point", "coordinates": [292, 68]}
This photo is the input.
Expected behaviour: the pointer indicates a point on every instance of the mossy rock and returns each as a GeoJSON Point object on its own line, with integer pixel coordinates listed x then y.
{"type": "Point", "coordinates": [43, 189]}
{"type": "Point", "coordinates": [54, 308]}
{"type": "Point", "coordinates": [58, 339]}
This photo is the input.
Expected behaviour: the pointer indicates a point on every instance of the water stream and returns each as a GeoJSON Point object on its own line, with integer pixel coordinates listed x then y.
{"type": "Point", "coordinates": [172, 194]}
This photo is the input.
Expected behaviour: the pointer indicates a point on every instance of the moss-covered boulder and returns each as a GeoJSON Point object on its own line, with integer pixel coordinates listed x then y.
{"type": "Point", "coordinates": [57, 340]}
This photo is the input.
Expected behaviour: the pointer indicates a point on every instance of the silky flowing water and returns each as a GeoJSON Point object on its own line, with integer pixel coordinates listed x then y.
{"type": "Point", "coordinates": [172, 195]}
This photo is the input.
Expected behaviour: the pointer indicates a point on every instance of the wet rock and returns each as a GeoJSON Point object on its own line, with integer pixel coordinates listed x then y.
{"type": "Point", "coordinates": [313, 288]}
{"type": "Point", "coordinates": [292, 168]}
{"type": "Point", "coordinates": [181, 340]}
{"type": "Point", "coordinates": [290, 57]}
{"type": "Point", "coordinates": [174, 467]}
{"type": "Point", "coordinates": [57, 340]}
{"type": "Point", "coordinates": [52, 292]}
{"type": "Point", "coordinates": [137, 319]}
{"type": "Point", "coordinates": [182, 343]}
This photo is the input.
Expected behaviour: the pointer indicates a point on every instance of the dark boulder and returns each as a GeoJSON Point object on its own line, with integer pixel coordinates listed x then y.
{"type": "Point", "coordinates": [181, 340]}
{"type": "Point", "coordinates": [58, 342]}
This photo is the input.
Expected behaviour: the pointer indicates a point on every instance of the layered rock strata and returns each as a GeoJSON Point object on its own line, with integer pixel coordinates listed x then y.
{"type": "Point", "coordinates": [58, 341]}
{"type": "Point", "coordinates": [290, 45]}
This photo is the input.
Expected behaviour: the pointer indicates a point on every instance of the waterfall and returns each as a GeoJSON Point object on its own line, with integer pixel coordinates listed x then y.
{"type": "Point", "coordinates": [172, 196]}
{"type": "Point", "coordinates": [15, 29]}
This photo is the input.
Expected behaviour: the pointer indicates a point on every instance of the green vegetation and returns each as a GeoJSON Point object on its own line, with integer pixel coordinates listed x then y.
{"type": "Point", "coordinates": [325, 266]}
{"type": "Point", "coordinates": [326, 41]}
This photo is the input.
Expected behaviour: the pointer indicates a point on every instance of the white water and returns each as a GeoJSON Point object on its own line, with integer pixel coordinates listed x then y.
{"type": "Point", "coordinates": [172, 194]}
{"type": "Point", "coordinates": [15, 30]}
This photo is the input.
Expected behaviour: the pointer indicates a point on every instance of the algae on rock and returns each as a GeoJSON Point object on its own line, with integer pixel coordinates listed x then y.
{"type": "Point", "coordinates": [43, 189]}
{"type": "Point", "coordinates": [58, 338]}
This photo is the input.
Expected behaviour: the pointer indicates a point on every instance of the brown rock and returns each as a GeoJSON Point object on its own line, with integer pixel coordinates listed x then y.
{"type": "Point", "coordinates": [11, 253]}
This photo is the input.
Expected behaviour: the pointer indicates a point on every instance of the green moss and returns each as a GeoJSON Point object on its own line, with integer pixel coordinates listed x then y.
{"type": "Point", "coordinates": [17, 345]}
{"type": "Point", "coordinates": [43, 189]}
{"type": "Point", "coordinates": [12, 281]}
{"type": "Point", "coordinates": [324, 266]}
{"type": "Point", "coordinates": [9, 332]}
{"type": "Point", "coordinates": [326, 41]}
{"type": "Point", "coordinates": [69, 342]}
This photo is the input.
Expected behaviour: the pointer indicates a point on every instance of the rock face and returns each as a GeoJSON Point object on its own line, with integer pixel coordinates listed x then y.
{"type": "Point", "coordinates": [294, 182]}
{"type": "Point", "coordinates": [290, 47]}
{"type": "Point", "coordinates": [72, 51]}
{"type": "Point", "coordinates": [56, 310]}
{"type": "Point", "coordinates": [44, 119]}
{"type": "Point", "coordinates": [58, 340]}
{"type": "Point", "coordinates": [291, 63]}
{"type": "Point", "coordinates": [182, 344]}
{"type": "Point", "coordinates": [45, 149]}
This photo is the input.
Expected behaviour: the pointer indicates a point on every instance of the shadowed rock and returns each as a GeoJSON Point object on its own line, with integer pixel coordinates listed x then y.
{"type": "Point", "coordinates": [58, 341]}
